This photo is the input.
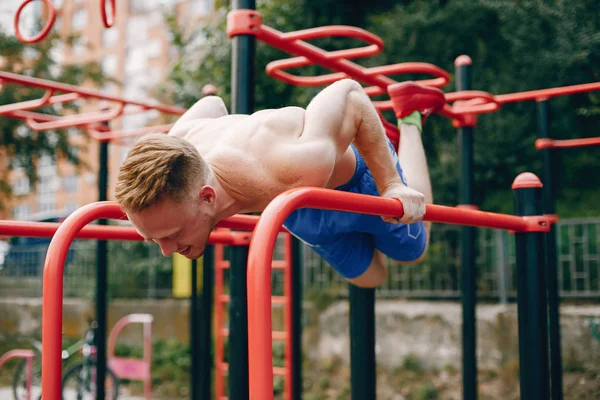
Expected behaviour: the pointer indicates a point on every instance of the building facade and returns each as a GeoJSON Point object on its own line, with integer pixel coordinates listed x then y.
{"type": "Point", "coordinates": [135, 52]}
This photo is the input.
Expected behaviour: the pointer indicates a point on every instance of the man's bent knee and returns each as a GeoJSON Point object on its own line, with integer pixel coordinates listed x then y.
{"type": "Point", "coordinates": [375, 275]}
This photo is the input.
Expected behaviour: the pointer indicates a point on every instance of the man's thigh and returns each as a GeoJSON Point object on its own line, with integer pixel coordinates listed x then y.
{"type": "Point", "coordinates": [350, 254]}
{"type": "Point", "coordinates": [404, 243]}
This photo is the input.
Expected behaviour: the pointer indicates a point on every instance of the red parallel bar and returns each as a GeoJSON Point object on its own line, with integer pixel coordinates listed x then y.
{"type": "Point", "coordinates": [85, 93]}
{"type": "Point", "coordinates": [544, 94]}
{"type": "Point", "coordinates": [541, 144]}
{"type": "Point", "coordinates": [33, 104]}
{"type": "Point", "coordinates": [103, 136]}
{"type": "Point", "coordinates": [53, 285]}
{"type": "Point", "coordinates": [48, 229]}
{"type": "Point", "coordinates": [261, 253]}
{"type": "Point", "coordinates": [77, 119]}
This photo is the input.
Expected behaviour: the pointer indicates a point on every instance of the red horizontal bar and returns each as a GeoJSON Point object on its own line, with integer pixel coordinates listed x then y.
{"type": "Point", "coordinates": [544, 94]}
{"type": "Point", "coordinates": [541, 144]}
{"type": "Point", "coordinates": [100, 232]}
{"type": "Point", "coordinates": [105, 136]}
{"type": "Point", "coordinates": [263, 245]}
{"type": "Point", "coordinates": [85, 93]}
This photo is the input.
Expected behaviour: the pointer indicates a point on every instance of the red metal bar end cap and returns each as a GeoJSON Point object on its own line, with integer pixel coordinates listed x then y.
{"type": "Point", "coordinates": [463, 60]}
{"type": "Point", "coordinates": [243, 22]}
{"type": "Point", "coordinates": [527, 180]}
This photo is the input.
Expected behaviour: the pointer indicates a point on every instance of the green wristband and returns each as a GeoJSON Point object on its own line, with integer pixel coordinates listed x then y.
{"type": "Point", "coordinates": [412, 119]}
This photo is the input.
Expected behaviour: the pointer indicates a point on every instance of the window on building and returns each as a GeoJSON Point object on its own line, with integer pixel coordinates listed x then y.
{"type": "Point", "coordinates": [110, 37]}
{"type": "Point", "coordinates": [47, 203]}
{"type": "Point", "coordinates": [47, 184]}
{"type": "Point", "coordinates": [21, 186]}
{"type": "Point", "coordinates": [21, 211]}
{"type": "Point", "coordinates": [109, 65]}
{"type": "Point", "coordinates": [201, 7]}
{"type": "Point", "coordinates": [70, 183]}
{"type": "Point", "coordinates": [79, 19]}
{"type": "Point", "coordinates": [79, 48]}
{"type": "Point", "coordinates": [70, 206]}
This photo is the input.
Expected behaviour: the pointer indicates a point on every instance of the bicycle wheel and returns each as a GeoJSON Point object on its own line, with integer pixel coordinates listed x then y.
{"type": "Point", "coordinates": [19, 385]}
{"type": "Point", "coordinates": [79, 382]}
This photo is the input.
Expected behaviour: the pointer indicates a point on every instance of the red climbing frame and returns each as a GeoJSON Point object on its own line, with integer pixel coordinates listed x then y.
{"type": "Point", "coordinates": [263, 244]}
{"type": "Point", "coordinates": [462, 107]}
{"type": "Point", "coordinates": [58, 93]}
{"type": "Point", "coordinates": [54, 268]}
{"type": "Point", "coordinates": [222, 299]}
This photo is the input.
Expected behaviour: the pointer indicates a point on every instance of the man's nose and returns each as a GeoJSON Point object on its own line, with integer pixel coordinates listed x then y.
{"type": "Point", "coordinates": [167, 247]}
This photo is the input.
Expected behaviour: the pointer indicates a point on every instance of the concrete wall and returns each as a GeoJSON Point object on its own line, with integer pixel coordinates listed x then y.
{"type": "Point", "coordinates": [432, 333]}
{"type": "Point", "coordinates": [429, 331]}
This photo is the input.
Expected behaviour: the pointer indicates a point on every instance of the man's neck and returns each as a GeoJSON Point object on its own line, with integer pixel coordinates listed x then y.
{"type": "Point", "coordinates": [227, 205]}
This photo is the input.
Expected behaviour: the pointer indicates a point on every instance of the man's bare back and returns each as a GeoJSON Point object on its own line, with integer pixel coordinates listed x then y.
{"type": "Point", "coordinates": [258, 156]}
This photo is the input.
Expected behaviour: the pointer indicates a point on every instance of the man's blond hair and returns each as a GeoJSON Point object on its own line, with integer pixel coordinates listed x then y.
{"type": "Point", "coordinates": [157, 166]}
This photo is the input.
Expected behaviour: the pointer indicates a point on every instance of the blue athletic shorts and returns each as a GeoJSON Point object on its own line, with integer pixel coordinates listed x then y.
{"type": "Point", "coordinates": [347, 240]}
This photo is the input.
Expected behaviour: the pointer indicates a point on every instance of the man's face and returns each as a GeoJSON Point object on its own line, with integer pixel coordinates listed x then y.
{"type": "Point", "coordinates": [181, 228]}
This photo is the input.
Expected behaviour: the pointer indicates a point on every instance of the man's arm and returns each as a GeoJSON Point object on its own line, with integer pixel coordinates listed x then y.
{"type": "Point", "coordinates": [342, 113]}
{"type": "Point", "coordinates": [206, 107]}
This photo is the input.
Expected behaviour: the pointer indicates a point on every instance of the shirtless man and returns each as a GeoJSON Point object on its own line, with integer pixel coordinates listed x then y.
{"type": "Point", "coordinates": [175, 188]}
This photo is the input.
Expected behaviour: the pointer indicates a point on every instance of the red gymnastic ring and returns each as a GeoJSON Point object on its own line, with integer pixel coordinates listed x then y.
{"type": "Point", "coordinates": [45, 30]}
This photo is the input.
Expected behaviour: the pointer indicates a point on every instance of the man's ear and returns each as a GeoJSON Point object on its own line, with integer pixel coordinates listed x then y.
{"type": "Point", "coordinates": [207, 194]}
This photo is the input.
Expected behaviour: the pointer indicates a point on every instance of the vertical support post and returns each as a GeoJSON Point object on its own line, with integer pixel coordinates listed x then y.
{"type": "Point", "coordinates": [531, 293]}
{"type": "Point", "coordinates": [242, 102]}
{"type": "Point", "coordinates": [205, 329]}
{"type": "Point", "coordinates": [501, 265]}
{"type": "Point", "coordinates": [362, 343]}
{"type": "Point", "coordinates": [101, 277]}
{"type": "Point", "coordinates": [243, 54]}
{"type": "Point", "coordinates": [296, 318]}
{"type": "Point", "coordinates": [195, 377]}
{"type": "Point", "coordinates": [551, 261]}
{"type": "Point", "coordinates": [238, 325]}
{"type": "Point", "coordinates": [467, 235]}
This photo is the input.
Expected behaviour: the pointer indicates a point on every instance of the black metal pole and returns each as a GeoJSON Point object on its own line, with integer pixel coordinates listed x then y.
{"type": "Point", "coordinates": [296, 319]}
{"type": "Point", "coordinates": [531, 293]}
{"type": "Point", "coordinates": [101, 277]}
{"type": "Point", "coordinates": [243, 55]}
{"type": "Point", "coordinates": [467, 244]}
{"type": "Point", "coordinates": [238, 325]}
{"type": "Point", "coordinates": [363, 371]}
{"type": "Point", "coordinates": [548, 194]}
{"type": "Point", "coordinates": [195, 376]}
{"type": "Point", "coordinates": [242, 102]}
{"type": "Point", "coordinates": [204, 338]}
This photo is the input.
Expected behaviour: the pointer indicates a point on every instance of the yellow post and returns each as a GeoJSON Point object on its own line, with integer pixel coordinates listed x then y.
{"type": "Point", "coordinates": [182, 274]}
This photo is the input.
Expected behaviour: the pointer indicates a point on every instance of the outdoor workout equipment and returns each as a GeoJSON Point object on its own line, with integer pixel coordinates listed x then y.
{"type": "Point", "coordinates": [59, 93]}
{"type": "Point", "coordinates": [463, 108]}
{"type": "Point", "coordinates": [96, 123]}
{"type": "Point", "coordinates": [28, 355]}
{"type": "Point", "coordinates": [136, 369]}
{"type": "Point", "coordinates": [529, 225]}
{"type": "Point", "coordinates": [108, 19]}
{"type": "Point", "coordinates": [221, 298]}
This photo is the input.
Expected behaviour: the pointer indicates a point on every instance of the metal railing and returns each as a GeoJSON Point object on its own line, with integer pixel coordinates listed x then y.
{"type": "Point", "coordinates": [137, 270]}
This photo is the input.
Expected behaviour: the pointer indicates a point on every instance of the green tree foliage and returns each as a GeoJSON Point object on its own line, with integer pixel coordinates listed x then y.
{"type": "Point", "coordinates": [515, 46]}
{"type": "Point", "coordinates": [21, 145]}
